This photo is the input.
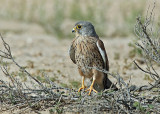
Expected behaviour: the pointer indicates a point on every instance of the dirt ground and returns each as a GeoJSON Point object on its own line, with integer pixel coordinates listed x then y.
{"type": "Point", "coordinates": [44, 53]}
{"type": "Point", "coordinates": [40, 52]}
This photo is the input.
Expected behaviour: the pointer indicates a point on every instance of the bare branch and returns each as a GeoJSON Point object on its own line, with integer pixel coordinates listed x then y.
{"type": "Point", "coordinates": [144, 70]}
{"type": "Point", "coordinates": [8, 55]}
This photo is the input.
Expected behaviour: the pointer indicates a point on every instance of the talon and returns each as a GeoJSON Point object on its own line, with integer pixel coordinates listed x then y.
{"type": "Point", "coordinates": [83, 87]}
{"type": "Point", "coordinates": [90, 90]}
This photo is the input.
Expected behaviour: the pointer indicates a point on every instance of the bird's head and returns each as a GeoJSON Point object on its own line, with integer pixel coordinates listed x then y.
{"type": "Point", "coordinates": [84, 28]}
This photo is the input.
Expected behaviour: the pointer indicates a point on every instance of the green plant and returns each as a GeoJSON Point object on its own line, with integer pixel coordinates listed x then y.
{"type": "Point", "coordinates": [131, 14]}
{"type": "Point", "coordinates": [139, 106]}
{"type": "Point", "coordinates": [23, 76]}
{"type": "Point", "coordinates": [116, 56]}
{"type": "Point", "coordinates": [41, 79]}
{"type": "Point", "coordinates": [52, 25]}
{"type": "Point", "coordinates": [56, 109]}
{"type": "Point", "coordinates": [53, 79]}
{"type": "Point", "coordinates": [147, 77]}
{"type": "Point", "coordinates": [91, 14]}
{"type": "Point", "coordinates": [75, 11]}
{"type": "Point", "coordinates": [134, 51]}
{"type": "Point", "coordinates": [75, 84]}
{"type": "Point", "coordinates": [63, 85]}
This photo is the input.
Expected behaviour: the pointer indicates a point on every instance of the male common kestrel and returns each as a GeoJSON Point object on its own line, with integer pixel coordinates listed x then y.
{"type": "Point", "coordinates": [87, 51]}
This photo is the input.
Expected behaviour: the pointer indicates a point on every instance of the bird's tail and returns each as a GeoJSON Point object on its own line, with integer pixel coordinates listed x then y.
{"type": "Point", "coordinates": [108, 84]}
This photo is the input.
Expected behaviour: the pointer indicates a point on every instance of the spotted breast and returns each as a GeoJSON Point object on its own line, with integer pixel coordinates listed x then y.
{"type": "Point", "coordinates": [87, 55]}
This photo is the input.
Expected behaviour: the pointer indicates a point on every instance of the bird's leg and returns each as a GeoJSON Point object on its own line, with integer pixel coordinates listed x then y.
{"type": "Point", "coordinates": [91, 87]}
{"type": "Point", "coordinates": [83, 86]}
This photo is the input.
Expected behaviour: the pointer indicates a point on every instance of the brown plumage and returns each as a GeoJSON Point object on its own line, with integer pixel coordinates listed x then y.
{"type": "Point", "coordinates": [87, 51]}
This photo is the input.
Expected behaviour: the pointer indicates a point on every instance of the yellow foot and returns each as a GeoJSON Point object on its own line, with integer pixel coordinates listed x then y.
{"type": "Point", "coordinates": [90, 90]}
{"type": "Point", "coordinates": [83, 87]}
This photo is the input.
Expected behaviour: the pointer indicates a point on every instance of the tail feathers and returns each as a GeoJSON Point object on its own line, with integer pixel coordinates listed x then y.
{"type": "Point", "coordinates": [108, 84]}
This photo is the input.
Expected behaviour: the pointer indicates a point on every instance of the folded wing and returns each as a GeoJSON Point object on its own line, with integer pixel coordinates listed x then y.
{"type": "Point", "coordinates": [72, 53]}
{"type": "Point", "coordinates": [102, 51]}
{"type": "Point", "coordinates": [106, 82]}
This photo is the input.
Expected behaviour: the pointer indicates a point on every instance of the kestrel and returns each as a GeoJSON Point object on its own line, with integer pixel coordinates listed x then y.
{"type": "Point", "coordinates": [87, 51]}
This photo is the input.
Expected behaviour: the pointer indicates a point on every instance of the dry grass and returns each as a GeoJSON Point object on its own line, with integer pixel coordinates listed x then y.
{"type": "Point", "coordinates": [58, 17]}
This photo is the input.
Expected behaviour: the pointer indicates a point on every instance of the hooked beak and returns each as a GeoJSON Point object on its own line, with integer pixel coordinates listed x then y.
{"type": "Point", "coordinates": [74, 30]}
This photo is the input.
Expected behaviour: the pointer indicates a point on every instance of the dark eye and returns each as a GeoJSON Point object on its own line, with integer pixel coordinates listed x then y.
{"type": "Point", "coordinates": [79, 26]}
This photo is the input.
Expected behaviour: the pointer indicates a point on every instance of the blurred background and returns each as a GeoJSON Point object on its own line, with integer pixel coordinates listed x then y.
{"type": "Point", "coordinates": [39, 33]}
{"type": "Point", "coordinates": [57, 17]}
